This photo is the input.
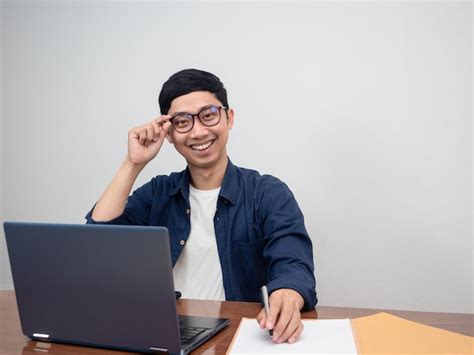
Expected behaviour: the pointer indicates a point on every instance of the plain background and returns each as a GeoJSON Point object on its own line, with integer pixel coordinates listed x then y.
{"type": "Point", "coordinates": [364, 109]}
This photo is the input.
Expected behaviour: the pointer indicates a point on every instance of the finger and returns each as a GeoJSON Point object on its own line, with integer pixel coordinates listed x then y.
{"type": "Point", "coordinates": [146, 133]}
{"type": "Point", "coordinates": [142, 136]}
{"type": "Point", "coordinates": [150, 134]}
{"type": "Point", "coordinates": [295, 336]}
{"type": "Point", "coordinates": [162, 126]}
{"type": "Point", "coordinates": [275, 304]}
{"type": "Point", "coordinates": [290, 328]}
{"type": "Point", "coordinates": [284, 318]}
{"type": "Point", "coordinates": [163, 119]}
{"type": "Point", "coordinates": [156, 130]}
{"type": "Point", "coordinates": [261, 319]}
{"type": "Point", "coordinates": [133, 134]}
{"type": "Point", "coordinates": [166, 127]}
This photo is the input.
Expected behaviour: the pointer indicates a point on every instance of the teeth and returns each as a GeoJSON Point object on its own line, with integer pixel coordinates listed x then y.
{"type": "Point", "coordinates": [203, 146]}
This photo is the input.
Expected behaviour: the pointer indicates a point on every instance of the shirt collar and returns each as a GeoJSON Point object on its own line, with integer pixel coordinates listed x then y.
{"type": "Point", "coordinates": [182, 184]}
{"type": "Point", "coordinates": [229, 184]}
{"type": "Point", "coordinates": [228, 189]}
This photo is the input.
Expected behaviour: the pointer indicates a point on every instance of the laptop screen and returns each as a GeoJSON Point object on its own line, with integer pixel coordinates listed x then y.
{"type": "Point", "coordinates": [99, 285]}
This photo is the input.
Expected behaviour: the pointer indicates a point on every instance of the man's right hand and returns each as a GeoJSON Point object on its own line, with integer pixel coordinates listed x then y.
{"type": "Point", "coordinates": [144, 142]}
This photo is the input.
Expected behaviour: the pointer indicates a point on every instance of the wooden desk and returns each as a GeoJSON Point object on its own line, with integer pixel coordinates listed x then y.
{"type": "Point", "coordinates": [12, 341]}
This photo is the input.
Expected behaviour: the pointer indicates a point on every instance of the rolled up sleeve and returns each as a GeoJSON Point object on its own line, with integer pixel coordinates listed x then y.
{"type": "Point", "coordinates": [137, 209]}
{"type": "Point", "coordinates": [288, 247]}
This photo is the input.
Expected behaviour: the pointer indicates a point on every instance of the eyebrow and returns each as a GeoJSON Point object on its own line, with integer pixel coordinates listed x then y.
{"type": "Point", "coordinates": [189, 113]}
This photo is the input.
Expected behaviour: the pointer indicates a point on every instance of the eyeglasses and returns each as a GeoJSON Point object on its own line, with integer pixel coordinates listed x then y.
{"type": "Point", "coordinates": [209, 116]}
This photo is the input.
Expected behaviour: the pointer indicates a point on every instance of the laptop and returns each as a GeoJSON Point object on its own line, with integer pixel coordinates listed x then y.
{"type": "Point", "coordinates": [101, 285]}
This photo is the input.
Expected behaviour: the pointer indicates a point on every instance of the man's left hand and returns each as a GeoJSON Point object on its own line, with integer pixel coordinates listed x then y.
{"type": "Point", "coordinates": [284, 317]}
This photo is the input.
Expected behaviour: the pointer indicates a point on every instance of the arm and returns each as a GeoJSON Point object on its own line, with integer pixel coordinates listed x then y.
{"type": "Point", "coordinates": [288, 249]}
{"type": "Point", "coordinates": [144, 143]}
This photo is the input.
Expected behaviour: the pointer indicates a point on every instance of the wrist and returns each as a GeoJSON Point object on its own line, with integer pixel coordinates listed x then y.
{"type": "Point", "coordinates": [298, 299]}
{"type": "Point", "coordinates": [131, 168]}
{"type": "Point", "coordinates": [300, 302]}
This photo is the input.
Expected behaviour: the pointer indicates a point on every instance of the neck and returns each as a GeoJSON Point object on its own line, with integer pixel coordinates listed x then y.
{"type": "Point", "coordinates": [208, 178]}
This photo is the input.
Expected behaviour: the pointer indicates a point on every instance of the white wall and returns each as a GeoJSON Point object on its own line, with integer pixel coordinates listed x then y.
{"type": "Point", "coordinates": [364, 109]}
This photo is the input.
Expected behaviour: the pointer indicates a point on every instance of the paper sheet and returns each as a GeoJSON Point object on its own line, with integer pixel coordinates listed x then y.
{"type": "Point", "coordinates": [326, 336]}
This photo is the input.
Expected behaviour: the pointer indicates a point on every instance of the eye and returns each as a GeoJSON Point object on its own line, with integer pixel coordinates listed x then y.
{"type": "Point", "coordinates": [182, 121]}
{"type": "Point", "coordinates": [210, 113]}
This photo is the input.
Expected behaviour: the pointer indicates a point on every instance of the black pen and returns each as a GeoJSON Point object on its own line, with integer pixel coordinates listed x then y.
{"type": "Point", "coordinates": [266, 305]}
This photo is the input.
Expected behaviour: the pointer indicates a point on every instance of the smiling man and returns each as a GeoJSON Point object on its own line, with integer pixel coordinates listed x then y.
{"type": "Point", "coordinates": [231, 229]}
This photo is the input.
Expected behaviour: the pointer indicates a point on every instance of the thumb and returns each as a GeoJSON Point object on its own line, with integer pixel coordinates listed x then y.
{"type": "Point", "coordinates": [261, 319]}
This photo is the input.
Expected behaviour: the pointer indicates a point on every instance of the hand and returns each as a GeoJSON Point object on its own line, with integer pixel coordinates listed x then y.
{"type": "Point", "coordinates": [284, 317]}
{"type": "Point", "coordinates": [144, 142]}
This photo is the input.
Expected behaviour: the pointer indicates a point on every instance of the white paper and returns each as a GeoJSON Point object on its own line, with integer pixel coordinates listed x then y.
{"type": "Point", "coordinates": [320, 336]}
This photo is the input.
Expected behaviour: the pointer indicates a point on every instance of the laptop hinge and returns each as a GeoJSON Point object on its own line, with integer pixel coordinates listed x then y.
{"type": "Point", "coordinates": [41, 336]}
{"type": "Point", "coordinates": [157, 350]}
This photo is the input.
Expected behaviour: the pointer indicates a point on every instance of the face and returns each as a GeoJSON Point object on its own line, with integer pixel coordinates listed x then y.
{"type": "Point", "coordinates": [202, 147]}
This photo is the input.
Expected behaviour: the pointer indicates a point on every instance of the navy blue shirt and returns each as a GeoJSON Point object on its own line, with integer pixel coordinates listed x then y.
{"type": "Point", "coordinates": [260, 232]}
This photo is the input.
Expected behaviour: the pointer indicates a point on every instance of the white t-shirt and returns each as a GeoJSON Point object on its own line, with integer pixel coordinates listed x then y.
{"type": "Point", "coordinates": [197, 273]}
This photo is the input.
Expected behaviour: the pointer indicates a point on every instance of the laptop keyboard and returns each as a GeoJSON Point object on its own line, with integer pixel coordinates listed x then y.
{"type": "Point", "coordinates": [188, 333]}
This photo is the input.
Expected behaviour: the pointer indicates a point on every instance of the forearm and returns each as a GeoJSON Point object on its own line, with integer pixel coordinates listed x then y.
{"type": "Point", "coordinates": [112, 202]}
{"type": "Point", "coordinates": [288, 247]}
{"type": "Point", "coordinates": [295, 276]}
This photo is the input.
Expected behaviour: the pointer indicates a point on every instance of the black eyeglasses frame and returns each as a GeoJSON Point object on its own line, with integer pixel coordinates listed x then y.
{"type": "Point", "coordinates": [197, 115]}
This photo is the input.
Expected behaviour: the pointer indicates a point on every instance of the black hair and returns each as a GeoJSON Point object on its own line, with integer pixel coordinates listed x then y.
{"type": "Point", "coordinates": [187, 81]}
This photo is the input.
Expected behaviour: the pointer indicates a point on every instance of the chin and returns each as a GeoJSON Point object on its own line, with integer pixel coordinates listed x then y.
{"type": "Point", "coordinates": [202, 164]}
{"type": "Point", "coordinates": [206, 162]}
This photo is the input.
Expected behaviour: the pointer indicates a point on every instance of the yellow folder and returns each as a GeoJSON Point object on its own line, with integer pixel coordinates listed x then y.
{"type": "Point", "coordinates": [383, 333]}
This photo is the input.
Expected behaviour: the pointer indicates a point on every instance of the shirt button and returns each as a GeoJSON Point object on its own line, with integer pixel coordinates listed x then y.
{"type": "Point", "coordinates": [182, 242]}
{"type": "Point", "coordinates": [188, 211]}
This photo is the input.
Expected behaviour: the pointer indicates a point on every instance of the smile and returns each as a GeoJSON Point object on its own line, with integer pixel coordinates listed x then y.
{"type": "Point", "coordinates": [203, 146]}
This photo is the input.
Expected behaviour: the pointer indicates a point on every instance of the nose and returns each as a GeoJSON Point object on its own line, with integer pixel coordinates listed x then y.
{"type": "Point", "coordinates": [199, 130]}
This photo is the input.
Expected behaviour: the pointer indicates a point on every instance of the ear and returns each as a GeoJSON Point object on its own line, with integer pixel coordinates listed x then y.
{"type": "Point", "coordinates": [169, 137]}
{"type": "Point", "coordinates": [230, 118]}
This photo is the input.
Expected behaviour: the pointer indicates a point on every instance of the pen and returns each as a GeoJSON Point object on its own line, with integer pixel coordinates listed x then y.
{"type": "Point", "coordinates": [266, 305]}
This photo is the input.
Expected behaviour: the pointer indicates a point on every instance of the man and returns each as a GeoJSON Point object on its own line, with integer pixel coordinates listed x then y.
{"type": "Point", "coordinates": [231, 229]}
